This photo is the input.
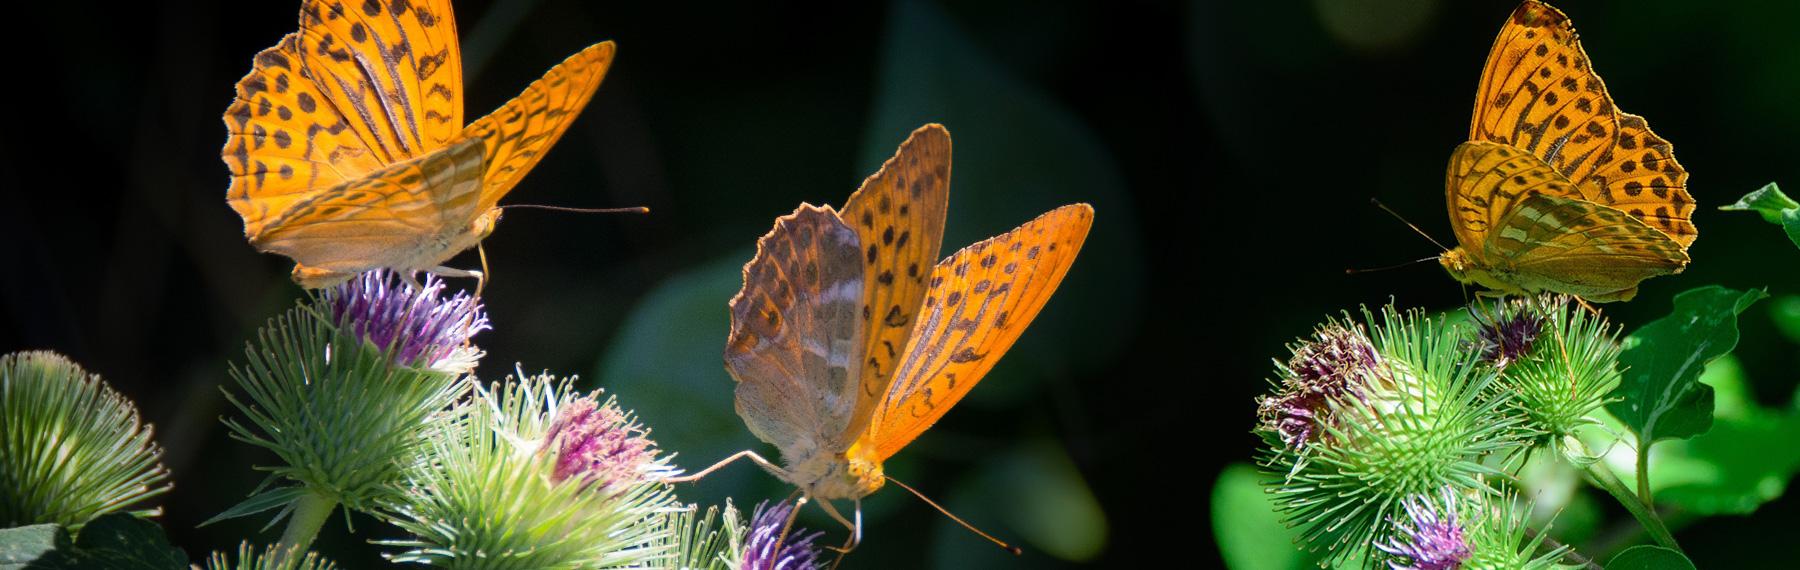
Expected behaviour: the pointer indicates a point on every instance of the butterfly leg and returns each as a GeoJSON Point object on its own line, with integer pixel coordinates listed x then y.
{"type": "Point", "coordinates": [855, 537]}
{"type": "Point", "coordinates": [760, 462]}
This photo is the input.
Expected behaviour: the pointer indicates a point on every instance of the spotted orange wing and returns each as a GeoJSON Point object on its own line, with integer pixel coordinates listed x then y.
{"type": "Point", "coordinates": [796, 334]}
{"type": "Point", "coordinates": [898, 215]}
{"type": "Point", "coordinates": [521, 131]}
{"type": "Point", "coordinates": [1575, 246]}
{"type": "Point", "coordinates": [361, 86]}
{"type": "Point", "coordinates": [1540, 93]}
{"type": "Point", "coordinates": [978, 302]}
{"type": "Point", "coordinates": [380, 219]}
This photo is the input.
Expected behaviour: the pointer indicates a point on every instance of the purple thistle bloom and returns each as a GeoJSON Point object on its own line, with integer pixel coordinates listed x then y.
{"type": "Point", "coordinates": [1507, 338]}
{"type": "Point", "coordinates": [1432, 541]}
{"type": "Point", "coordinates": [599, 444]}
{"type": "Point", "coordinates": [422, 328]}
{"type": "Point", "coordinates": [760, 546]}
{"type": "Point", "coordinates": [1334, 363]}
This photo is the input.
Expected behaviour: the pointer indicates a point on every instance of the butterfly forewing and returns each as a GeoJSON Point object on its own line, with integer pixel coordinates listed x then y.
{"type": "Point", "coordinates": [796, 332]}
{"type": "Point", "coordinates": [381, 218]}
{"type": "Point", "coordinates": [1540, 93]}
{"type": "Point", "coordinates": [392, 68]}
{"type": "Point", "coordinates": [977, 303]}
{"type": "Point", "coordinates": [898, 215]}
{"type": "Point", "coordinates": [521, 131]}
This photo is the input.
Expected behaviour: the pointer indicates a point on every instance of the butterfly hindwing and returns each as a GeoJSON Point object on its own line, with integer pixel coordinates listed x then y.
{"type": "Point", "coordinates": [796, 332]}
{"type": "Point", "coordinates": [1540, 93]}
{"type": "Point", "coordinates": [521, 131]}
{"type": "Point", "coordinates": [978, 302]}
{"type": "Point", "coordinates": [1486, 179]}
{"type": "Point", "coordinates": [381, 218]}
{"type": "Point", "coordinates": [898, 215]}
{"type": "Point", "coordinates": [1576, 246]}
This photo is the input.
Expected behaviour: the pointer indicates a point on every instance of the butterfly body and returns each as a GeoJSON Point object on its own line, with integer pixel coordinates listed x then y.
{"type": "Point", "coordinates": [847, 340]}
{"type": "Point", "coordinates": [347, 147]}
{"type": "Point", "coordinates": [1557, 190]}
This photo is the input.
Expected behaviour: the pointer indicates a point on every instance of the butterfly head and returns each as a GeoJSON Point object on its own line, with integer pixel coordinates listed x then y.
{"type": "Point", "coordinates": [1457, 263]}
{"type": "Point", "coordinates": [854, 474]}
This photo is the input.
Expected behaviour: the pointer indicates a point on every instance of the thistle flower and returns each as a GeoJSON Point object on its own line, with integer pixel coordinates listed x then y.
{"type": "Point", "coordinates": [1563, 374]}
{"type": "Point", "coordinates": [249, 559]}
{"type": "Point", "coordinates": [1334, 363]}
{"type": "Point", "coordinates": [712, 540]}
{"type": "Point", "coordinates": [1421, 419]}
{"type": "Point", "coordinates": [488, 494]}
{"type": "Point", "coordinates": [771, 545]}
{"type": "Point", "coordinates": [422, 328]}
{"type": "Point", "coordinates": [71, 449]}
{"type": "Point", "coordinates": [600, 444]}
{"type": "Point", "coordinates": [1452, 531]}
{"type": "Point", "coordinates": [1508, 336]}
{"type": "Point", "coordinates": [343, 390]}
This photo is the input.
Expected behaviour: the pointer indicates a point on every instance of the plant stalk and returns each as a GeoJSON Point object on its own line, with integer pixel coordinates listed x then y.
{"type": "Point", "coordinates": [1646, 516]}
{"type": "Point", "coordinates": [310, 512]}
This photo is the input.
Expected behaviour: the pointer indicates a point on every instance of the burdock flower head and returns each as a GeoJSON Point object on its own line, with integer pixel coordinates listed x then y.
{"type": "Point", "coordinates": [1402, 410]}
{"type": "Point", "coordinates": [1334, 363]}
{"type": "Point", "coordinates": [600, 444]}
{"type": "Point", "coordinates": [417, 323]}
{"type": "Point", "coordinates": [1449, 530]}
{"type": "Point", "coordinates": [529, 474]}
{"type": "Point", "coordinates": [771, 545]}
{"type": "Point", "coordinates": [1558, 361]}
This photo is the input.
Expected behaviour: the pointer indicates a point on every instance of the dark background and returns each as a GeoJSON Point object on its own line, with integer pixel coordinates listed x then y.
{"type": "Point", "coordinates": [1229, 149]}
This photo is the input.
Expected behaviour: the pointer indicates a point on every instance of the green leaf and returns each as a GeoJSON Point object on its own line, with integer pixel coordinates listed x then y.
{"type": "Point", "coordinates": [1038, 496]}
{"type": "Point", "coordinates": [1659, 395]}
{"type": "Point", "coordinates": [1730, 469]}
{"type": "Point", "coordinates": [260, 502]}
{"type": "Point", "coordinates": [666, 365]}
{"type": "Point", "coordinates": [1785, 311]}
{"type": "Point", "coordinates": [118, 541]}
{"type": "Point", "coordinates": [22, 545]}
{"type": "Point", "coordinates": [1774, 207]}
{"type": "Point", "coordinates": [1248, 530]}
{"type": "Point", "coordinates": [1647, 557]}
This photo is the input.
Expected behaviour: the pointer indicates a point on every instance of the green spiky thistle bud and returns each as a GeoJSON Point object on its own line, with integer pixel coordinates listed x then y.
{"type": "Point", "coordinates": [1557, 360]}
{"type": "Point", "coordinates": [248, 558]}
{"type": "Point", "coordinates": [530, 475]}
{"type": "Point", "coordinates": [1409, 418]}
{"type": "Point", "coordinates": [342, 389]}
{"type": "Point", "coordinates": [705, 540]}
{"type": "Point", "coordinates": [71, 448]}
{"type": "Point", "coordinates": [1454, 530]}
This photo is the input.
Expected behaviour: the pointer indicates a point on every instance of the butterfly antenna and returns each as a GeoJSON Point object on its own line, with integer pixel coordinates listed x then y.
{"type": "Point", "coordinates": [1009, 548]}
{"type": "Point", "coordinates": [631, 210]}
{"type": "Point", "coordinates": [1402, 219]}
{"type": "Point", "coordinates": [1394, 266]}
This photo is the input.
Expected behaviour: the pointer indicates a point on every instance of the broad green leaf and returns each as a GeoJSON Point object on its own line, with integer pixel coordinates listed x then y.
{"type": "Point", "coordinates": [1730, 469]}
{"type": "Point", "coordinates": [22, 545]}
{"type": "Point", "coordinates": [1038, 497]}
{"type": "Point", "coordinates": [1018, 153]}
{"type": "Point", "coordinates": [1774, 207]}
{"type": "Point", "coordinates": [1249, 532]}
{"type": "Point", "coordinates": [1659, 395]}
{"type": "Point", "coordinates": [1785, 311]}
{"type": "Point", "coordinates": [667, 365]}
{"type": "Point", "coordinates": [1647, 557]}
{"type": "Point", "coordinates": [118, 541]}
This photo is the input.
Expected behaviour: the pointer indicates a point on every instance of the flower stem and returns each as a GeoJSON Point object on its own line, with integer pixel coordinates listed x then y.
{"type": "Point", "coordinates": [1605, 479]}
{"type": "Point", "coordinates": [1643, 474]}
{"type": "Point", "coordinates": [310, 512]}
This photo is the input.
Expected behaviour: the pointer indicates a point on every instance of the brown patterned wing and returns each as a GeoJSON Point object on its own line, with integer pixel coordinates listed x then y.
{"type": "Point", "coordinates": [359, 87]}
{"type": "Point", "coordinates": [979, 301]}
{"type": "Point", "coordinates": [398, 216]}
{"type": "Point", "coordinates": [898, 215]}
{"type": "Point", "coordinates": [521, 131]}
{"type": "Point", "coordinates": [796, 335]}
{"type": "Point", "coordinates": [1540, 93]}
{"type": "Point", "coordinates": [1486, 179]}
{"type": "Point", "coordinates": [1573, 246]}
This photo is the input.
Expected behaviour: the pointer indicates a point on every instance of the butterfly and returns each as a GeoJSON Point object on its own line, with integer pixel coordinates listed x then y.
{"type": "Point", "coordinates": [1556, 189]}
{"type": "Point", "coordinates": [347, 147]}
{"type": "Point", "coordinates": [847, 342]}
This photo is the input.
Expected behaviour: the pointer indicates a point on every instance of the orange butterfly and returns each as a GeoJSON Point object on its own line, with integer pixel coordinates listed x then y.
{"type": "Point", "coordinates": [1558, 190]}
{"type": "Point", "coordinates": [347, 147]}
{"type": "Point", "coordinates": [847, 343]}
